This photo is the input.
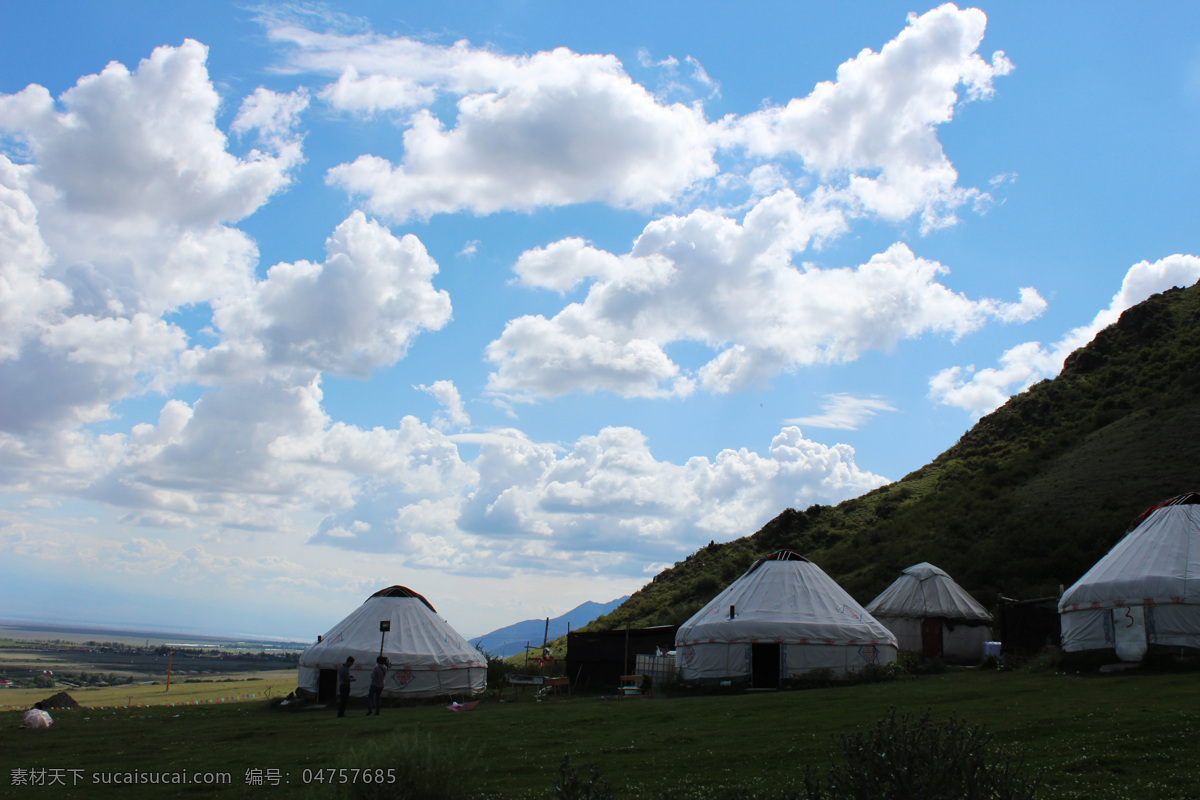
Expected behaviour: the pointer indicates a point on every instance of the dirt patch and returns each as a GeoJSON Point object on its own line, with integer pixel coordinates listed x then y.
{"type": "Point", "coordinates": [60, 700]}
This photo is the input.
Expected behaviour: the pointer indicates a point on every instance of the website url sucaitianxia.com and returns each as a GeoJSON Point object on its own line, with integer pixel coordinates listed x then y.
{"type": "Point", "coordinates": [50, 776]}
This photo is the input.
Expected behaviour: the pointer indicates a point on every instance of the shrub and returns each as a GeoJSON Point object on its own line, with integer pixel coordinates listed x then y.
{"type": "Point", "coordinates": [497, 668]}
{"type": "Point", "coordinates": [914, 664]}
{"type": "Point", "coordinates": [928, 666]}
{"type": "Point", "coordinates": [1179, 661]}
{"type": "Point", "coordinates": [913, 758]}
{"type": "Point", "coordinates": [821, 676]}
{"type": "Point", "coordinates": [1049, 660]}
{"type": "Point", "coordinates": [570, 786]}
{"type": "Point", "coordinates": [880, 673]}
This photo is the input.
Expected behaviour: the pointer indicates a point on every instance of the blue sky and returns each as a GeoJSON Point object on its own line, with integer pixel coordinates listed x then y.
{"type": "Point", "coordinates": [519, 303]}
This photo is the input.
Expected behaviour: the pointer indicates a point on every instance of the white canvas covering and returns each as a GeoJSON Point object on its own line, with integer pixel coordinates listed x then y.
{"type": "Point", "coordinates": [924, 590]}
{"type": "Point", "coordinates": [1147, 586]}
{"type": "Point", "coordinates": [788, 601]}
{"type": "Point", "coordinates": [925, 593]}
{"type": "Point", "coordinates": [36, 718]}
{"type": "Point", "coordinates": [428, 657]}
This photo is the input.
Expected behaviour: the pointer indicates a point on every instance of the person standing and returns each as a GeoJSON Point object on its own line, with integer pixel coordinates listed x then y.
{"type": "Point", "coordinates": [375, 693]}
{"type": "Point", "coordinates": [344, 679]}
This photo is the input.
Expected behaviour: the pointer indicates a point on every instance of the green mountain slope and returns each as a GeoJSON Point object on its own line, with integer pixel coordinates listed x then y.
{"type": "Point", "coordinates": [1026, 501]}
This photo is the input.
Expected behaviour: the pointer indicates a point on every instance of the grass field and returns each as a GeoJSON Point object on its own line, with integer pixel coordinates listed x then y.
{"type": "Point", "coordinates": [96, 674]}
{"type": "Point", "coordinates": [1112, 737]}
{"type": "Point", "coordinates": [264, 685]}
{"type": "Point", "coordinates": [58, 633]}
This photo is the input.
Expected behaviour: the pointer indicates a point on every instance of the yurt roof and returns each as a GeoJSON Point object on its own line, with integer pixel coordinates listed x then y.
{"type": "Point", "coordinates": [784, 598]}
{"type": "Point", "coordinates": [925, 591]}
{"type": "Point", "coordinates": [403, 591]}
{"type": "Point", "coordinates": [1156, 563]}
{"type": "Point", "coordinates": [417, 637]}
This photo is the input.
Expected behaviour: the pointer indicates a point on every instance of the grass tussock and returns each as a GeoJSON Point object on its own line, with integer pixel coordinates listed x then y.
{"type": "Point", "coordinates": [405, 766]}
{"type": "Point", "coordinates": [912, 757]}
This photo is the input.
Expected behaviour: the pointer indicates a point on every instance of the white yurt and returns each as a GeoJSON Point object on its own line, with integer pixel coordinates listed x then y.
{"type": "Point", "coordinates": [932, 616]}
{"type": "Point", "coordinates": [781, 620]}
{"type": "Point", "coordinates": [428, 657]}
{"type": "Point", "coordinates": [1145, 594]}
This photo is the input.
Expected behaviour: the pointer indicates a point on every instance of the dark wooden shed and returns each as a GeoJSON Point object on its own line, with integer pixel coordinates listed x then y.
{"type": "Point", "coordinates": [596, 660]}
{"type": "Point", "coordinates": [1027, 627]}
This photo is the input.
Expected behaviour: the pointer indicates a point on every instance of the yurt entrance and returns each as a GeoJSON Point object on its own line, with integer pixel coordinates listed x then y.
{"type": "Point", "coordinates": [1129, 631]}
{"type": "Point", "coordinates": [931, 638]}
{"type": "Point", "coordinates": [764, 666]}
{"type": "Point", "coordinates": [327, 686]}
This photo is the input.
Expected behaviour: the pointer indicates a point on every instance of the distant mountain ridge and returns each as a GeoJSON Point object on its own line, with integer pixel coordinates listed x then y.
{"type": "Point", "coordinates": [1025, 502]}
{"type": "Point", "coordinates": [510, 640]}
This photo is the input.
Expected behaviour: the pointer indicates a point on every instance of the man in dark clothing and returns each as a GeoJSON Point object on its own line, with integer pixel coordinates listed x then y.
{"type": "Point", "coordinates": [375, 693]}
{"type": "Point", "coordinates": [344, 678]}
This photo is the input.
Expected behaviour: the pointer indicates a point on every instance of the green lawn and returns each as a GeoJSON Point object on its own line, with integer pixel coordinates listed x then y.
{"type": "Point", "coordinates": [1102, 737]}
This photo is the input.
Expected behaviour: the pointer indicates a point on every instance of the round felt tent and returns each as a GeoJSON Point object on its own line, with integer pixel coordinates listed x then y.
{"type": "Point", "coordinates": [782, 620]}
{"type": "Point", "coordinates": [427, 657]}
{"type": "Point", "coordinates": [932, 616]}
{"type": "Point", "coordinates": [1144, 595]}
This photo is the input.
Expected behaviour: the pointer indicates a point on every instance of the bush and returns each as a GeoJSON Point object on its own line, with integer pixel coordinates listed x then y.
{"type": "Point", "coordinates": [936, 665]}
{"type": "Point", "coordinates": [816, 678]}
{"type": "Point", "coordinates": [1180, 661]}
{"type": "Point", "coordinates": [880, 673]}
{"type": "Point", "coordinates": [915, 665]}
{"type": "Point", "coordinates": [1052, 659]}
{"type": "Point", "coordinates": [497, 668]}
{"type": "Point", "coordinates": [913, 758]}
{"type": "Point", "coordinates": [570, 786]}
{"type": "Point", "coordinates": [423, 770]}
{"type": "Point", "coordinates": [1048, 660]}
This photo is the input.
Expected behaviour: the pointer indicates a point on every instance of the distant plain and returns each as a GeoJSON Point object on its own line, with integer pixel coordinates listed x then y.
{"type": "Point", "coordinates": [203, 669]}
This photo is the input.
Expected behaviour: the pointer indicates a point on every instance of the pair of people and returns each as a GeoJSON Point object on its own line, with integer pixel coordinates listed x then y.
{"type": "Point", "coordinates": [374, 692]}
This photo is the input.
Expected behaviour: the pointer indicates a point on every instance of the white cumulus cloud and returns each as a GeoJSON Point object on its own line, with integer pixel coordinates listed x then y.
{"type": "Point", "coordinates": [452, 413]}
{"type": "Point", "coordinates": [558, 127]}
{"type": "Point", "coordinates": [563, 128]}
{"type": "Point", "coordinates": [872, 132]}
{"type": "Point", "coordinates": [733, 287]}
{"type": "Point", "coordinates": [120, 214]}
{"type": "Point", "coordinates": [358, 310]}
{"type": "Point", "coordinates": [984, 390]}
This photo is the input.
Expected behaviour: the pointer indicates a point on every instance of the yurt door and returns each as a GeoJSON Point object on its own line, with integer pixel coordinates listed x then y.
{"type": "Point", "coordinates": [764, 666]}
{"type": "Point", "coordinates": [327, 686]}
{"type": "Point", "coordinates": [1129, 629]}
{"type": "Point", "coordinates": [931, 638]}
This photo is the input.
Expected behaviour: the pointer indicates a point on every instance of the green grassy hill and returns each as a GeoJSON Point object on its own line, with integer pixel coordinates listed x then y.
{"type": "Point", "coordinates": [1026, 501]}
